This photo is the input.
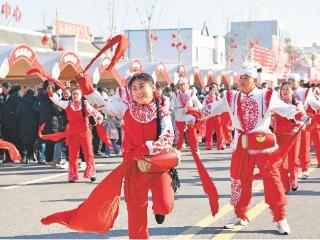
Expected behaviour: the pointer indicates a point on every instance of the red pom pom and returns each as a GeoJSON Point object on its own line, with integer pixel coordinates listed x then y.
{"type": "Point", "coordinates": [173, 35]}
{"type": "Point", "coordinates": [184, 47]}
{"type": "Point", "coordinates": [173, 44]}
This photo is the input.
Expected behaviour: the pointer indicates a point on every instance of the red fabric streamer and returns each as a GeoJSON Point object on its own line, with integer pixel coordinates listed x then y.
{"type": "Point", "coordinates": [45, 76]}
{"type": "Point", "coordinates": [84, 80]}
{"type": "Point", "coordinates": [99, 211]}
{"type": "Point", "coordinates": [122, 46]}
{"type": "Point", "coordinates": [55, 137]}
{"type": "Point", "coordinates": [208, 185]}
{"type": "Point", "coordinates": [13, 151]}
{"type": "Point", "coordinates": [103, 135]}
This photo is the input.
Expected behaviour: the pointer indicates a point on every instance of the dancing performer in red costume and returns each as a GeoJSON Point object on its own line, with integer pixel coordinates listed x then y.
{"type": "Point", "coordinates": [250, 111]}
{"type": "Point", "coordinates": [306, 96]}
{"type": "Point", "coordinates": [79, 132]}
{"type": "Point", "coordinates": [284, 129]}
{"type": "Point", "coordinates": [214, 123]}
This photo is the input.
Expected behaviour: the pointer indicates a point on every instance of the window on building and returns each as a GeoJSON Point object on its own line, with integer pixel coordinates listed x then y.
{"type": "Point", "coordinates": [205, 56]}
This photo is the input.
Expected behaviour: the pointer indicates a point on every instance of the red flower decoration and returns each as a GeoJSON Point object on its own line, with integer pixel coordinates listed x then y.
{"type": "Point", "coordinates": [173, 35]}
{"type": "Point", "coordinates": [184, 47]}
{"type": "Point", "coordinates": [173, 44]}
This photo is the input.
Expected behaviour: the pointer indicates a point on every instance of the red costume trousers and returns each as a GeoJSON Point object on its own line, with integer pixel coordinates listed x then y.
{"type": "Point", "coordinates": [214, 123]}
{"type": "Point", "coordinates": [273, 189]}
{"type": "Point", "coordinates": [191, 136]}
{"type": "Point", "coordinates": [75, 140]}
{"type": "Point", "coordinates": [315, 138]}
{"type": "Point", "coordinates": [136, 188]}
{"type": "Point", "coordinates": [225, 124]}
{"type": "Point", "coordinates": [289, 168]}
{"type": "Point", "coordinates": [304, 154]}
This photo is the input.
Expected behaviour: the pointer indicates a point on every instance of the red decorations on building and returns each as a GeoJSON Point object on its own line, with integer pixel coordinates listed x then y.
{"type": "Point", "coordinates": [154, 37]}
{"type": "Point", "coordinates": [17, 14]}
{"type": "Point", "coordinates": [264, 56]}
{"type": "Point", "coordinates": [233, 44]}
{"type": "Point", "coordinates": [6, 11]}
{"type": "Point", "coordinates": [45, 40]}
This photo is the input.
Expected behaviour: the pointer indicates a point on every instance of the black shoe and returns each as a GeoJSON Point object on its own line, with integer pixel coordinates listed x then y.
{"type": "Point", "coordinates": [294, 189]}
{"type": "Point", "coordinates": [8, 161]}
{"type": "Point", "coordinates": [92, 179]}
{"type": "Point", "coordinates": [159, 218]}
{"type": "Point", "coordinates": [72, 181]}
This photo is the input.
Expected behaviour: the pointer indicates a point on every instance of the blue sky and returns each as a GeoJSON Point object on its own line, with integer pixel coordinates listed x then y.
{"type": "Point", "coordinates": [299, 18]}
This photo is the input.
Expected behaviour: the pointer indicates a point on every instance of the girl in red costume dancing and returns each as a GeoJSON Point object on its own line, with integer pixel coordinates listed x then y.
{"type": "Point", "coordinates": [79, 132]}
{"type": "Point", "coordinates": [284, 129]}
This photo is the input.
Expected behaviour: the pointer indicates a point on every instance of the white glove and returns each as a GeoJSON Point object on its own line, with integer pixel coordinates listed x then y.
{"type": "Point", "coordinates": [306, 119]}
{"type": "Point", "coordinates": [294, 130]}
{"type": "Point", "coordinates": [190, 119]}
{"type": "Point", "coordinates": [143, 166]}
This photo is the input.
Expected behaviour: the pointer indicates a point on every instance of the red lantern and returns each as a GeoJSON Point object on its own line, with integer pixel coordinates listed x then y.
{"type": "Point", "coordinates": [179, 44]}
{"type": "Point", "coordinates": [184, 47]}
{"type": "Point", "coordinates": [155, 38]}
{"type": "Point", "coordinates": [173, 35]}
{"type": "Point", "coordinates": [45, 40]}
{"type": "Point", "coordinates": [173, 44]}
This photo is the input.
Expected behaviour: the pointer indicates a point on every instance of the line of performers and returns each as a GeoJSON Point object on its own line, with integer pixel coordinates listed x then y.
{"type": "Point", "coordinates": [148, 132]}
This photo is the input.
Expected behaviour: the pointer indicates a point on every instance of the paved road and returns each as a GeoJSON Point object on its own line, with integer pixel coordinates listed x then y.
{"type": "Point", "coordinates": [28, 193]}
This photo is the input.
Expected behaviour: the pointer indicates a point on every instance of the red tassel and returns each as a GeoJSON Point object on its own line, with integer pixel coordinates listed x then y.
{"type": "Point", "coordinates": [13, 151]}
{"type": "Point", "coordinates": [99, 211]}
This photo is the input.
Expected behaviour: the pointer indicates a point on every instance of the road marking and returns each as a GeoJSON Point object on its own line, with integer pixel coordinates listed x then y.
{"type": "Point", "coordinates": [252, 214]}
{"type": "Point", "coordinates": [42, 179]}
{"type": "Point", "coordinates": [209, 220]}
{"type": "Point", "coordinates": [33, 181]}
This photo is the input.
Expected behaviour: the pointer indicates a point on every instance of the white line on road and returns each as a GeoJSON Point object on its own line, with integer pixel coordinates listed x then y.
{"type": "Point", "coordinates": [41, 179]}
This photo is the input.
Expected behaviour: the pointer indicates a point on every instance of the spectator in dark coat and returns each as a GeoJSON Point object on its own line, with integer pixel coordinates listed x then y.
{"type": "Point", "coordinates": [28, 125]}
{"type": "Point", "coordinates": [9, 123]}
{"type": "Point", "coordinates": [46, 112]}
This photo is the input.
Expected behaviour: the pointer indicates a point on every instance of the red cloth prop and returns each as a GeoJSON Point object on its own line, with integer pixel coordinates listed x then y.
{"type": "Point", "coordinates": [84, 80]}
{"type": "Point", "coordinates": [99, 211]}
{"type": "Point", "coordinates": [45, 76]}
{"type": "Point", "coordinates": [103, 135]}
{"type": "Point", "coordinates": [13, 151]}
{"type": "Point", "coordinates": [55, 137]}
{"type": "Point", "coordinates": [208, 185]}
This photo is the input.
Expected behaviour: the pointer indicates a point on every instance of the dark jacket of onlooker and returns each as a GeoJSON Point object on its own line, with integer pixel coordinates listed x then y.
{"type": "Point", "coordinates": [46, 111]}
{"type": "Point", "coordinates": [27, 118]}
{"type": "Point", "coordinates": [9, 107]}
